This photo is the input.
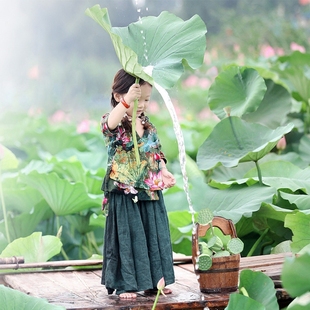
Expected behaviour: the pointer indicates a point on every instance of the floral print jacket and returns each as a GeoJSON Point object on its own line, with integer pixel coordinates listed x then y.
{"type": "Point", "coordinates": [123, 175]}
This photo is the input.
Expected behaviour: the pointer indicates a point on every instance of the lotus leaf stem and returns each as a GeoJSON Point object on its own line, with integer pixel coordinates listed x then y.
{"type": "Point", "coordinates": [4, 213]}
{"type": "Point", "coordinates": [258, 241]}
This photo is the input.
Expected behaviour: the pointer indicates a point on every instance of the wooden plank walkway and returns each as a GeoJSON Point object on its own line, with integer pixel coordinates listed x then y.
{"type": "Point", "coordinates": [82, 289]}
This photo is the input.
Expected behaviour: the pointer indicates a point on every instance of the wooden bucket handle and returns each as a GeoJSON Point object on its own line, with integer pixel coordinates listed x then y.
{"type": "Point", "coordinates": [225, 225]}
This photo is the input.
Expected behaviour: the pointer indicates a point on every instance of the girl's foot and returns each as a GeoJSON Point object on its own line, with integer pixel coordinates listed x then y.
{"type": "Point", "coordinates": [128, 295]}
{"type": "Point", "coordinates": [153, 291]}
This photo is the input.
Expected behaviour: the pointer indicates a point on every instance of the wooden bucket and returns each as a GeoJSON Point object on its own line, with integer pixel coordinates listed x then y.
{"type": "Point", "coordinates": [223, 276]}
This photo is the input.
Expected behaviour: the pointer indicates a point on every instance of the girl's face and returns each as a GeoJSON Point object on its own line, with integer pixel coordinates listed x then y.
{"type": "Point", "coordinates": [146, 90]}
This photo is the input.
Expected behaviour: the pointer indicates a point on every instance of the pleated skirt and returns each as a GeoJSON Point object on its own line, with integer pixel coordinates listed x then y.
{"type": "Point", "coordinates": [137, 250]}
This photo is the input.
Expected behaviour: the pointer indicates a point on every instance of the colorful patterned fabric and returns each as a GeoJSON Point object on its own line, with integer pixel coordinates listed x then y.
{"type": "Point", "coordinates": [124, 176]}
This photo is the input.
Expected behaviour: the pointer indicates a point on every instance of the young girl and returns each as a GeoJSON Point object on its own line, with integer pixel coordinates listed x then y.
{"type": "Point", "coordinates": [137, 247]}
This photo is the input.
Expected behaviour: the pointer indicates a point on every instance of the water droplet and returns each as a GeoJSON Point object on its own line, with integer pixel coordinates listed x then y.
{"type": "Point", "coordinates": [139, 10]}
{"type": "Point", "coordinates": [141, 32]}
{"type": "Point", "coordinates": [146, 9]}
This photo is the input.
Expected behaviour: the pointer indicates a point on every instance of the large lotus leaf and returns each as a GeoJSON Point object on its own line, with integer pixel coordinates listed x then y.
{"type": "Point", "coordinates": [19, 197]}
{"type": "Point", "coordinates": [34, 248]}
{"type": "Point", "coordinates": [295, 275]}
{"type": "Point", "coordinates": [89, 161]}
{"type": "Point", "coordinates": [278, 175]}
{"type": "Point", "coordinates": [234, 140]}
{"type": "Point", "coordinates": [240, 88]}
{"type": "Point", "coordinates": [276, 183]}
{"type": "Point", "coordinates": [304, 148]}
{"type": "Point", "coordinates": [295, 69]}
{"type": "Point", "coordinates": [164, 43]}
{"type": "Point", "coordinates": [231, 203]}
{"type": "Point", "coordinates": [300, 303]}
{"type": "Point", "coordinates": [74, 171]}
{"type": "Point", "coordinates": [238, 301]}
{"type": "Point", "coordinates": [58, 140]}
{"type": "Point", "coordinates": [24, 224]}
{"type": "Point", "coordinates": [273, 212]}
{"type": "Point", "coordinates": [299, 224]}
{"type": "Point", "coordinates": [276, 168]}
{"type": "Point", "coordinates": [13, 299]}
{"type": "Point", "coordinates": [63, 197]}
{"type": "Point", "coordinates": [274, 107]}
{"type": "Point", "coordinates": [281, 174]}
{"type": "Point", "coordinates": [7, 159]}
{"type": "Point", "coordinates": [301, 201]}
{"type": "Point", "coordinates": [260, 288]}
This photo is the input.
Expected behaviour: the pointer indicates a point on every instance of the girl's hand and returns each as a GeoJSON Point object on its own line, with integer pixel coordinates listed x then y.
{"type": "Point", "coordinates": [134, 93]}
{"type": "Point", "coordinates": [168, 178]}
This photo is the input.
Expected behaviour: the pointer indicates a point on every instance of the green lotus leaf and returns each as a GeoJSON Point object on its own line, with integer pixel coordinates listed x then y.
{"type": "Point", "coordinates": [295, 275]}
{"type": "Point", "coordinates": [63, 197]}
{"type": "Point", "coordinates": [164, 43]}
{"type": "Point", "coordinates": [294, 69]}
{"type": "Point", "coordinates": [299, 224]}
{"type": "Point", "coordinates": [277, 102]}
{"type": "Point", "coordinates": [304, 148]}
{"type": "Point", "coordinates": [234, 140]}
{"type": "Point", "coordinates": [240, 88]}
{"type": "Point", "coordinates": [34, 248]}
{"type": "Point", "coordinates": [7, 159]}
{"type": "Point", "coordinates": [238, 301]}
{"type": "Point", "coordinates": [233, 202]}
{"type": "Point", "coordinates": [260, 288]}
{"type": "Point", "coordinates": [24, 224]}
{"type": "Point", "coordinates": [57, 140]}
{"type": "Point", "coordinates": [13, 299]}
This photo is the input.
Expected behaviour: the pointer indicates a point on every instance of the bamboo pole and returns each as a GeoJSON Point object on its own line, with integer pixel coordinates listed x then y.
{"type": "Point", "coordinates": [12, 260]}
{"type": "Point", "coordinates": [72, 263]}
{"type": "Point", "coordinates": [53, 264]}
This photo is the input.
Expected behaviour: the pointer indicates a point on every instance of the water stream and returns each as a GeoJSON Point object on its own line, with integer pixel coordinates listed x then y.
{"type": "Point", "coordinates": [176, 125]}
{"type": "Point", "coordinates": [181, 146]}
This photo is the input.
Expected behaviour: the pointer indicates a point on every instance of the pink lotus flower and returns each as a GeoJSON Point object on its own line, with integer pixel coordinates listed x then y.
{"type": "Point", "coordinates": [267, 51]}
{"type": "Point", "coordinates": [161, 284]}
{"type": "Point", "coordinates": [296, 47]}
{"type": "Point", "coordinates": [160, 287]}
{"type": "Point", "coordinates": [304, 2]}
{"type": "Point", "coordinates": [83, 126]}
{"type": "Point", "coordinates": [191, 81]}
{"type": "Point", "coordinates": [59, 116]}
{"type": "Point", "coordinates": [281, 145]}
{"type": "Point", "coordinates": [155, 181]}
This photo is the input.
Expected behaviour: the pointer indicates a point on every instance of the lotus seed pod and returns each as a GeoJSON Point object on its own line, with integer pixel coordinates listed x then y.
{"type": "Point", "coordinates": [205, 262]}
{"type": "Point", "coordinates": [221, 253]}
{"type": "Point", "coordinates": [235, 246]}
{"type": "Point", "coordinates": [205, 217]}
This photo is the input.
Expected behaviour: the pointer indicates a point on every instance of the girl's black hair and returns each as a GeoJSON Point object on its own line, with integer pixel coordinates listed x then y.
{"type": "Point", "coordinates": [121, 84]}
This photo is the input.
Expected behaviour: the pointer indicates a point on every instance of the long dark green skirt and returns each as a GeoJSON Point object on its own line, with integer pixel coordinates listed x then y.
{"type": "Point", "coordinates": [137, 249]}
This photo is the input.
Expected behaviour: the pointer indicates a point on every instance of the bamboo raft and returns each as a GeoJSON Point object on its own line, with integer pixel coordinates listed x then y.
{"type": "Point", "coordinates": [81, 289]}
